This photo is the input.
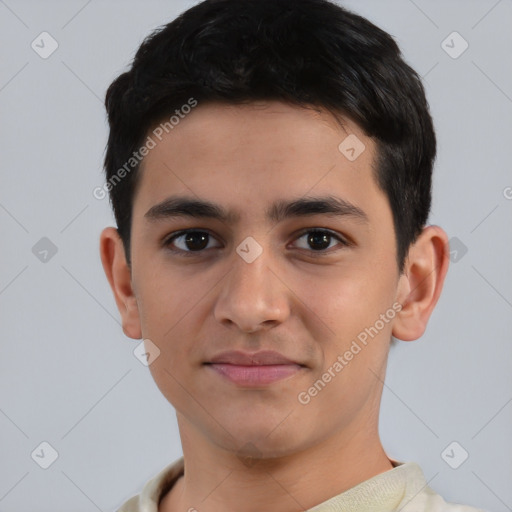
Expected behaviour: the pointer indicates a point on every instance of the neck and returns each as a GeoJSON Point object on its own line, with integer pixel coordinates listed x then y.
{"type": "Point", "coordinates": [217, 480]}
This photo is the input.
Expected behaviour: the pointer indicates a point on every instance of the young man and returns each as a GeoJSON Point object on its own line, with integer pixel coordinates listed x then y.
{"type": "Point", "coordinates": [269, 164]}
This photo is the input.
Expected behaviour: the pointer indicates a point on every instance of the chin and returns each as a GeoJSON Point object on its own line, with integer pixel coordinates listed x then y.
{"type": "Point", "coordinates": [264, 440]}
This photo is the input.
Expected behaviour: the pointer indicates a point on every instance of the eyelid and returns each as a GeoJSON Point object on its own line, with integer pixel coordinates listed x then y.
{"type": "Point", "coordinates": [343, 240]}
{"type": "Point", "coordinates": [166, 242]}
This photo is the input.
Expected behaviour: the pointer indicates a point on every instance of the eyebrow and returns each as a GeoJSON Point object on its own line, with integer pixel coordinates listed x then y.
{"type": "Point", "coordinates": [183, 206]}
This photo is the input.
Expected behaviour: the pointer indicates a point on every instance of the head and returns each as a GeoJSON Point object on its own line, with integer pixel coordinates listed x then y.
{"type": "Point", "coordinates": [298, 145]}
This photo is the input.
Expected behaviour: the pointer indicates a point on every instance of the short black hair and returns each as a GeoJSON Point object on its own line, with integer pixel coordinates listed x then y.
{"type": "Point", "coordinates": [310, 53]}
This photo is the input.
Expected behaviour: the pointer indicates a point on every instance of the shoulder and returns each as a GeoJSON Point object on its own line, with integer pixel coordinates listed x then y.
{"type": "Point", "coordinates": [429, 500]}
{"type": "Point", "coordinates": [155, 489]}
{"type": "Point", "coordinates": [132, 505]}
{"type": "Point", "coordinates": [419, 497]}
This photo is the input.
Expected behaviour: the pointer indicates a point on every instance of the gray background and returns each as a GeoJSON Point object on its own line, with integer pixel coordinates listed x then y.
{"type": "Point", "coordinates": [68, 375]}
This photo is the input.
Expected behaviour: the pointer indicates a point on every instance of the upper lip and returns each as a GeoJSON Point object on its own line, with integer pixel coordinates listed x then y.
{"type": "Point", "coordinates": [262, 358]}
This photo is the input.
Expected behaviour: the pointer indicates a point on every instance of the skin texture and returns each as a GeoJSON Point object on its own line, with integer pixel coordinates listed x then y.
{"type": "Point", "coordinates": [247, 448]}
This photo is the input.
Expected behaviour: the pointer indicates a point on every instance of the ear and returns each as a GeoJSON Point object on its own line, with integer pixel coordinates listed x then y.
{"type": "Point", "coordinates": [118, 274]}
{"type": "Point", "coordinates": [421, 283]}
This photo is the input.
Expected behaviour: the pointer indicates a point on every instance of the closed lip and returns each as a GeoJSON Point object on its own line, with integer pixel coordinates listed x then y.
{"type": "Point", "coordinates": [261, 358]}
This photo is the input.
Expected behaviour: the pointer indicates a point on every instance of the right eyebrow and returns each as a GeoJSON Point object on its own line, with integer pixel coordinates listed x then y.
{"type": "Point", "coordinates": [176, 206]}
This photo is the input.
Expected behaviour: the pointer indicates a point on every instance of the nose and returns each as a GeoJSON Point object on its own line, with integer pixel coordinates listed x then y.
{"type": "Point", "coordinates": [252, 296]}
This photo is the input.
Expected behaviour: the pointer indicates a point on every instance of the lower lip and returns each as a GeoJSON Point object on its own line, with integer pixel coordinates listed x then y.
{"type": "Point", "coordinates": [255, 375]}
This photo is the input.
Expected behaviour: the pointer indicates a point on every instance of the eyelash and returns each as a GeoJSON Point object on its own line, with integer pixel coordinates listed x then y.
{"type": "Point", "coordinates": [167, 242]}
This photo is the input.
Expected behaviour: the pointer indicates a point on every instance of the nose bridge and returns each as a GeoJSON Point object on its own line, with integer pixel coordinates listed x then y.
{"type": "Point", "coordinates": [251, 295]}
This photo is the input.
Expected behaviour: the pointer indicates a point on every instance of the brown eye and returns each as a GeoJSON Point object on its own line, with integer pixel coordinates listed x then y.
{"type": "Point", "coordinates": [318, 240]}
{"type": "Point", "coordinates": [190, 241]}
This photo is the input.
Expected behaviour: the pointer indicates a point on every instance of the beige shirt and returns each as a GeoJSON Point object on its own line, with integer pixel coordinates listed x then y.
{"type": "Point", "coordinates": [402, 488]}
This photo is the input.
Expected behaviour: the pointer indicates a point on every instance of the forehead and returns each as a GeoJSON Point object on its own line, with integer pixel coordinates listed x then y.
{"type": "Point", "coordinates": [253, 155]}
{"type": "Point", "coordinates": [226, 130]}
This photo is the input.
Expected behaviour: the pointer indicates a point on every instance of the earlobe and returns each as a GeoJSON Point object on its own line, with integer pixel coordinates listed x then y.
{"type": "Point", "coordinates": [118, 273]}
{"type": "Point", "coordinates": [422, 282]}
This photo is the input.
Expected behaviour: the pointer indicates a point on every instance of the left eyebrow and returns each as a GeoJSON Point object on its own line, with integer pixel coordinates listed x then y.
{"type": "Point", "coordinates": [183, 206]}
{"type": "Point", "coordinates": [329, 205]}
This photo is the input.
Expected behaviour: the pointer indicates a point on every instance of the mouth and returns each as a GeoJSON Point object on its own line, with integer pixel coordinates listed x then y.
{"type": "Point", "coordinates": [252, 370]}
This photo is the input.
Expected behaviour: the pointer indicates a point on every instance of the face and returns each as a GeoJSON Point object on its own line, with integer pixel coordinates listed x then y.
{"type": "Point", "coordinates": [297, 256]}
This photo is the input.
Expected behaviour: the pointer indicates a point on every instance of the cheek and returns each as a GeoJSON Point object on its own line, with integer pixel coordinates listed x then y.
{"type": "Point", "coordinates": [351, 304]}
{"type": "Point", "coordinates": [172, 308]}
{"type": "Point", "coordinates": [350, 301]}
{"type": "Point", "coordinates": [354, 348]}
{"type": "Point", "coordinates": [163, 295]}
